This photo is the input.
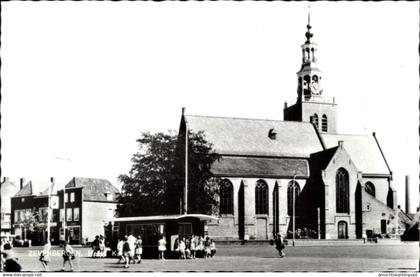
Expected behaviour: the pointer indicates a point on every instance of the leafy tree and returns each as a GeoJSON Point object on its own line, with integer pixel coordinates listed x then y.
{"type": "Point", "coordinates": [156, 180]}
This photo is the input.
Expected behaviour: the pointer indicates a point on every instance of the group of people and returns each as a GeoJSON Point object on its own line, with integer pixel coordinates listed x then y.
{"type": "Point", "coordinates": [195, 246]}
{"type": "Point", "coordinates": [98, 247]}
{"type": "Point", "coordinates": [129, 250]}
{"type": "Point", "coordinates": [68, 256]}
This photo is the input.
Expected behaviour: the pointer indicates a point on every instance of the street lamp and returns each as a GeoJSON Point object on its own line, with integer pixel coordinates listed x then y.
{"type": "Point", "coordinates": [294, 203]}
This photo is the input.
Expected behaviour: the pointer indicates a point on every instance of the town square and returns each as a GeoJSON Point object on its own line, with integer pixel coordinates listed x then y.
{"type": "Point", "coordinates": [215, 137]}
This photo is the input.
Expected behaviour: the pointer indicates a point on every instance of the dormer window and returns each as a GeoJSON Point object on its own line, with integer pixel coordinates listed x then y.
{"type": "Point", "coordinates": [272, 134]}
{"type": "Point", "coordinates": [108, 196]}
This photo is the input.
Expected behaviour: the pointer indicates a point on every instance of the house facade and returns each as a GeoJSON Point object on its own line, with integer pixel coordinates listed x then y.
{"type": "Point", "coordinates": [79, 208]}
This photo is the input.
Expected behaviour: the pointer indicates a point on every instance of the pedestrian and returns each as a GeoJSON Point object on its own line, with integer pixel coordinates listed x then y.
{"type": "Point", "coordinates": [188, 248]}
{"type": "Point", "coordinates": [280, 244]}
{"type": "Point", "coordinates": [128, 252]}
{"type": "Point", "coordinates": [200, 247]}
{"type": "Point", "coordinates": [181, 248]}
{"type": "Point", "coordinates": [68, 255]}
{"type": "Point", "coordinates": [193, 246]}
{"type": "Point", "coordinates": [95, 247]}
{"type": "Point", "coordinates": [364, 237]}
{"type": "Point", "coordinates": [207, 251]}
{"type": "Point", "coordinates": [162, 248]}
{"type": "Point", "coordinates": [212, 248]}
{"type": "Point", "coordinates": [120, 245]}
{"type": "Point", "coordinates": [44, 257]}
{"type": "Point", "coordinates": [139, 249]}
{"type": "Point", "coordinates": [101, 243]}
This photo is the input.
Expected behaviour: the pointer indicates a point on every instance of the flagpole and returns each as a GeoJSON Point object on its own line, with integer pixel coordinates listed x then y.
{"type": "Point", "coordinates": [49, 209]}
{"type": "Point", "coordinates": [186, 168]}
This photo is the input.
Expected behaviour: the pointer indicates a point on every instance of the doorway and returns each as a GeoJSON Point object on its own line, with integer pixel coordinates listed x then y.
{"type": "Point", "coordinates": [342, 230]}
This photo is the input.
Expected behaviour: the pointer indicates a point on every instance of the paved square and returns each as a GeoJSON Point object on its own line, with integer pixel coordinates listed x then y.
{"type": "Point", "coordinates": [368, 257]}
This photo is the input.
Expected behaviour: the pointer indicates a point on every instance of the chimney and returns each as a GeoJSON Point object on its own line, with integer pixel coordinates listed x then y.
{"type": "Point", "coordinates": [285, 105]}
{"type": "Point", "coordinates": [340, 144]}
{"type": "Point", "coordinates": [22, 182]}
{"type": "Point", "coordinates": [407, 194]}
{"type": "Point", "coordinates": [184, 110]}
{"type": "Point", "coordinates": [6, 179]}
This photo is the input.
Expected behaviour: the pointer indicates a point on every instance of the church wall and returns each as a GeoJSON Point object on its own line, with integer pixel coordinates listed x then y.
{"type": "Point", "coordinates": [340, 160]}
{"type": "Point", "coordinates": [381, 187]}
{"type": "Point", "coordinates": [329, 109]}
{"type": "Point", "coordinates": [256, 226]}
{"type": "Point", "coordinates": [374, 212]}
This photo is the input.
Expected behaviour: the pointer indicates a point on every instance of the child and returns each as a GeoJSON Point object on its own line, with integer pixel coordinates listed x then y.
{"type": "Point", "coordinates": [207, 251]}
{"type": "Point", "coordinates": [120, 251]}
{"type": "Point", "coordinates": [139, 249]}
{"type": "Point", "coordinates": [188, 248]}
{"type": "Point", "coordinates": [212, 248]}
{"type": "Point", "coordinates": [193, 246]}
{"type": "Point", "coordinates": [68, 255]}
{"type": "Point", "coordinates": [101, 242]}
{"type": "Point", "coordinates": [44, 258]}
{"type": "Point", "coordinates": [181, 248]}
{"type": "Point", "coordinates": [127, 252]}
{"type": "Point", "coordinates": [162, 248]}
{"type": "Point", "coordinates": [280, 245]}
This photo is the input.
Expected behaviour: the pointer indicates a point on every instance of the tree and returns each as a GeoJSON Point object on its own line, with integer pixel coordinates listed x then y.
{"type": "Point", "coordinates": [31, 221]}
{"type": "Point", "coordinates": [155, 182]}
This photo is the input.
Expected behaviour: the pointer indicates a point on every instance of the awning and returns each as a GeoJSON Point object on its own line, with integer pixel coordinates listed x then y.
{"type": "Point", "coordinates": [202, 217]}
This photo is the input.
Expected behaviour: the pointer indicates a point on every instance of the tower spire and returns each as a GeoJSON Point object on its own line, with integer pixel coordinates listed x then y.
{"type": "Point", "coordinates": [308, 33]}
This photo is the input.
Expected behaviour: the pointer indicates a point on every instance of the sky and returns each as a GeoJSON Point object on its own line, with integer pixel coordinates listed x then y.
{"type": "Point", "coordinates": [82, 80]}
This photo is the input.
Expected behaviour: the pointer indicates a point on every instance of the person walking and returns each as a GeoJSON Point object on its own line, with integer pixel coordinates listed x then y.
{"type": "Point", "coordinates": [101, 242]}
{"type": "Point", "coordinates": [162, 248]}
{"type": "Point", "coordinates": [44, 257]}
{"type": "Point", "coordinates": [68, 255]}
{"type": "Point", "coordinates": [279, 244]}
{"type": "Point", "coordinates": [95, 247]}
{"type": "Point", "coordinates": [128, 252]}
{"type": "Point", "coordinates": [139, 249]}
{"type": "Point", "coordinates": [120, 246]}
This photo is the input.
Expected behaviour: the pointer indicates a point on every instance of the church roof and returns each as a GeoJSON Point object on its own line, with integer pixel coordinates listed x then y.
{"type": "Point", "coordinates": [363, 150]}
{"type": "Point", "coordinates": [243, 136]}
{"type": "Point", "coordinates": [260, 167]}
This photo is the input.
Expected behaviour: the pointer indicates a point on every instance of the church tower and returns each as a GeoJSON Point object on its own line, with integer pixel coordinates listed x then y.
{"type": "Point", "coordinates": [311, 106]}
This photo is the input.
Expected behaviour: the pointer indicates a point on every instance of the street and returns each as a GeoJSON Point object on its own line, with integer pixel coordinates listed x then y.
{"type": "Point", "coordinates": [259, 258]}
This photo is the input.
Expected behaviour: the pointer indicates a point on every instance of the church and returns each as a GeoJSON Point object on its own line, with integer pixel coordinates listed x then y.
{"type": "Point", "coordinates": [298, 173]}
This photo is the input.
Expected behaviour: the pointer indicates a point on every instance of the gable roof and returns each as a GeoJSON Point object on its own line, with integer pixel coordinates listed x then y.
{"type": "Point", "coordinates": [260, 167]}
{"type": "Point", "coordinates": [33, 188]}
{"type": "Point", "coordinates": [243, 136]}
{"type": "Point", "coordinates": [93, 189]}
{"type": "Point", "coordinates": [323, 158]}
{"type": "Point", "coordinates": [363, 150]}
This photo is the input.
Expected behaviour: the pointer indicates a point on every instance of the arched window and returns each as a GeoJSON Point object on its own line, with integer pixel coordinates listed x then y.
{"type": "Point", "coordinates": [370, 188]}
{"type": "Point", "coordinates": [226, 197]}
{"type": "Point", "coordinates": [342, 191]}
{"type": "Point", "coordinates": [324, 123]}
{"type": "Point", "coordinates": [314, 120]}
{"type": "Point", "coordinates": [290, 196]}
{"type": "Point", "coordinates": [261, 197]}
